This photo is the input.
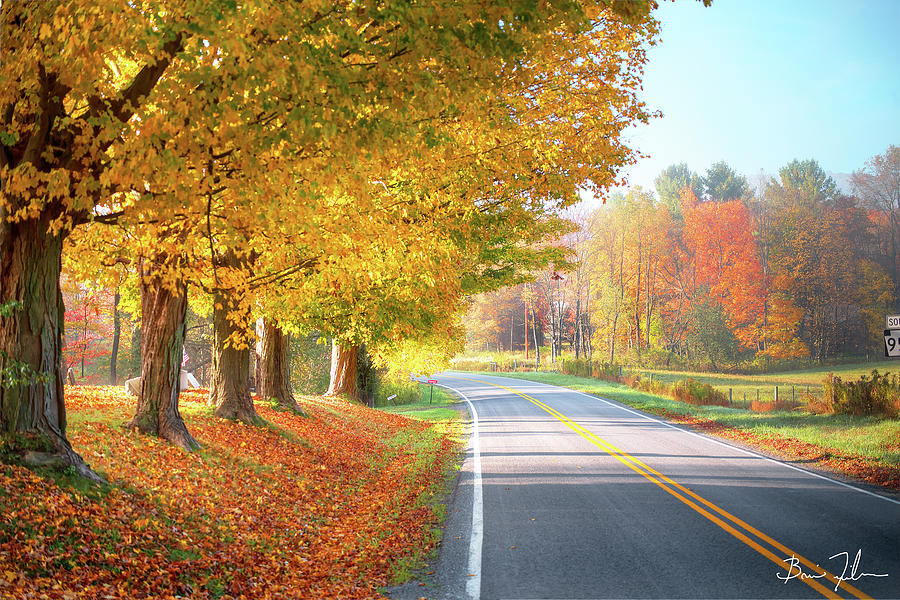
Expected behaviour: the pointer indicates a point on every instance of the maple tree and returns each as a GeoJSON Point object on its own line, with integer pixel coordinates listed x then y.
{"type": "Point", "coordinates": [85, 331]}
{"type": "Point", "coordinates": [190, 107]}
{"type": "Point", "coordinates": [719, 237]}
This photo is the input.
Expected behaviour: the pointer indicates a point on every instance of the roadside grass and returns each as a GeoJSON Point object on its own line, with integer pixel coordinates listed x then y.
{"type": "Point", "coordinates": [852, 441]}
{"type": "Point", "coordinates": [335, 504]}
{"type": "Point", "coordinates": [445, 422]}
{"type": "Point", "coordinates": [790, 383]}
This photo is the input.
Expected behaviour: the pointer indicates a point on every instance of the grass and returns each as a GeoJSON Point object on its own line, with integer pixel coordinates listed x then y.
{"type": "Point", "coordinates": [873, 438]}
{"type": "Point", "coordinates": [788, 382]}
{"type": "Point", "coordinates": [744, 388]}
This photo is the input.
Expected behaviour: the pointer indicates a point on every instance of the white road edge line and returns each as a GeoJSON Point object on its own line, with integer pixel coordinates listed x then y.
{"type": "Point", "coordinates": [727, 445]}
{"type": "Point", "coordinates": [473, 582]}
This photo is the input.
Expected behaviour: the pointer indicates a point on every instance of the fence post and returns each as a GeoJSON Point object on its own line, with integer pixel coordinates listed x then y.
{"type": "Point", "coordinates": [776, 393]}
{"type": "Point", "coordinates": [792, 393]}
{"type": "Point", "coordinates": [757, 394]}
{"type": "Point", "coordinates": [730, 402]}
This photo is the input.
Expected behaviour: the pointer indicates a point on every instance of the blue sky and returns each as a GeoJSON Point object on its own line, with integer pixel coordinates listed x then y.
{"type": "Point", "coordinates": [758, 83]}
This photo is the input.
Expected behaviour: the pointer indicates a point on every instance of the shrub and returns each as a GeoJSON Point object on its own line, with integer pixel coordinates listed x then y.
{"type": "Point", "coordinates": [406, 390]}
{"type": "Point", "coordinates": [653, 387]}
{"type": "Point", "coordinates": [697, 393]}
{"type": "Point", "coordinates": [879, 395]}
{"type": "Point", "coordinates": [579, 367]}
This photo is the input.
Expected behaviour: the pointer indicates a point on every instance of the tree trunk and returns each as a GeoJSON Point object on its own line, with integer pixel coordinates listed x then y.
{"type": "Point", "coordinates": [274, 361]}
{"type": "Point", "coordinates": [162, 344]}
{"type": "Point", "coordinates": [117, 332]}
{"type": "Point", "coordinates": [343, 371]}
{"type": "Point", "coordinates": [637, 301]}
{"type": "Point", "coordinates": [33, 406]}
{"type": "Point", "coordinates": [229, 383]}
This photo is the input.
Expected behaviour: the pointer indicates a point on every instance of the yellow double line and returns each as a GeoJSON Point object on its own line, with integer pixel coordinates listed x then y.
{"type": "Point", "coordinates": [714, 513]}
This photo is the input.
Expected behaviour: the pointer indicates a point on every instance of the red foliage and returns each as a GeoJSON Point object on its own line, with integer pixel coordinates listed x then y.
{"type": "Point", "coordinates": [311, 507]}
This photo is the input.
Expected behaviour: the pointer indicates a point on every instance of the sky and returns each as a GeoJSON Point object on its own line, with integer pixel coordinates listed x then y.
{"type": "Point", "coordinates": [758, 83]}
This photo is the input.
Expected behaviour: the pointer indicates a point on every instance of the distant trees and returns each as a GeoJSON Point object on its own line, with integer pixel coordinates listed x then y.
{"type": "Point", "coordinates": [712, 272]}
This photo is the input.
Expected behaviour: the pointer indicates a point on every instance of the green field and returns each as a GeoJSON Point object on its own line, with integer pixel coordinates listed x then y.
{"type": "Point", "coordinates": [790, 383]}
{"type": "Point", "coordinates": [744, 388]}
{"type": "Point", "coordinates": [875, 438]}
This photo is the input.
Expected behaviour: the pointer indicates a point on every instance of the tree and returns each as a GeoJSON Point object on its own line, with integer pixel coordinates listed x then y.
{"type": "Point", "coordinates": [722, 183]}
{"type": "Point", "coordinates": [878, 187]}
{"type": "Point", "coordinates": [816, 255]}
{"type": "Point", "coordinates": [141, 134]}
{"type": "Point", "coordinates": [720, 238]}
{"type": "Point", "coordinates": [670, 183]}
{"type": "Point", "coordinates": [86, 327]}
{"type": "Point", "coordinates": [274, 359]}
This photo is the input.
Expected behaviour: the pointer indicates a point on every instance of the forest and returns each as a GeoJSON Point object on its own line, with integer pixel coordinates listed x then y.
{"type": "Point", "coordinates": [714, 271]}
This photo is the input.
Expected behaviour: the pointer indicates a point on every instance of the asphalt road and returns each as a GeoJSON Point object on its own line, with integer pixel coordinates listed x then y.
{"type": "Point", "coordinates": [563, 495]}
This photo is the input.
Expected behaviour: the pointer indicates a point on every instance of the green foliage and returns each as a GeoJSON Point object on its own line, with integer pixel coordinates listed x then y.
{"type": "Point", "coordinates": [671, 181]}
{"type": "Point", "coordinates": [701, 394]}
{"type": "Point", "coordinates": [711, 335]}
{"type": "Point", "coordinates": [722, 183]}
{"type": "Point", "coordinates": [311, 357]}
{"type": "Point", "coordinates": [406, 391]}
{"type": "Point", "coordinates": [879, 395]}
{"type": "Point", "coordinates": [576, 366]}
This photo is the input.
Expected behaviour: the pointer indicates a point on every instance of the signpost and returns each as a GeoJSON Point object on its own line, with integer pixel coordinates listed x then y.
{"type": "Point", "coordinates": [892, 343]}
{"type": "Point", "coordinates": [892, 336]}
{"type": "Point", "coordinates": [434, 381]}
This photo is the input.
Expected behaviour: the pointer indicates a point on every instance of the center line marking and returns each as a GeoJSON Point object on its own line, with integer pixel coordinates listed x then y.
{"type": "Point", "coordinates": [680, 492]}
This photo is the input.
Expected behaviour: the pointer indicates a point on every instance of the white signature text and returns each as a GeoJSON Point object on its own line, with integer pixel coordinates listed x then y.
{"type": "Point", "coordinates": [795, 571]}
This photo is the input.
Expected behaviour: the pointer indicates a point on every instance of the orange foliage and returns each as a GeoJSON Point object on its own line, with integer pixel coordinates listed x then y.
{"type": "Point", "coordinates": [317, 507]}
{"type": "Point", "coordinates": [719, 234]}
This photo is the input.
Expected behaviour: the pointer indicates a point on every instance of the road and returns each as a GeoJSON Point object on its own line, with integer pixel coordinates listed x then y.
{"type": "Point", "coordinates": [564, 495]}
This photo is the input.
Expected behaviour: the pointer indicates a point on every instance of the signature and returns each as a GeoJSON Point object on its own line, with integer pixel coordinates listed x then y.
{"type": "Point", "coordinates": [794, 570]}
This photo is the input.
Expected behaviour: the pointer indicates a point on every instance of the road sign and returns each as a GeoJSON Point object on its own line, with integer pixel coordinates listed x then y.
{"type": "Point", "coordinates": [432, 381]}
{"type": "Point", "coordinates": [892, 342]}
{"type": "Point", "coordinates": [892, 321]}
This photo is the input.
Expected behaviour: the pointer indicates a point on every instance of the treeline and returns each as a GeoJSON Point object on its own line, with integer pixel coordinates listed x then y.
{"type": "Point", "coordinates": [713, 272]}
{"type": "Point", "coordinates": [353, 170]}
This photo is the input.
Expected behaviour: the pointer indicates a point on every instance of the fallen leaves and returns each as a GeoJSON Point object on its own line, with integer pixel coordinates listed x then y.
{"type": "Point", "coordinates": [792, 449]}
{"type": "Point", "coordinates": [306, 507]}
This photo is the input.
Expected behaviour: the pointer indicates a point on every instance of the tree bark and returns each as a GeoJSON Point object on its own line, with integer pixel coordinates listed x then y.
{"type": "Point", "coordinates": [162, 344]}
{"type": "Point", "coordinates": [229, 383]}
{"type": "Point", "coordinates": [274, 360]}
{"type": "Point", "coordinates": [33, 406]}
{"type": "Point", "coordinates": [343, 371]}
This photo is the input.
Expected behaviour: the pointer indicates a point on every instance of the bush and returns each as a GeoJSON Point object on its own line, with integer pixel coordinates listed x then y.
{"type": "Point", "coordinates": [653, 387]}
{"type": "Point", "coordinates": [879, 395]}
{"type": "Point", "coordinates": [406, 390]}
{"type": "Point", "coordinates": [697, 393]}
{"type": "Point", "coordinates": [579, 367]}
